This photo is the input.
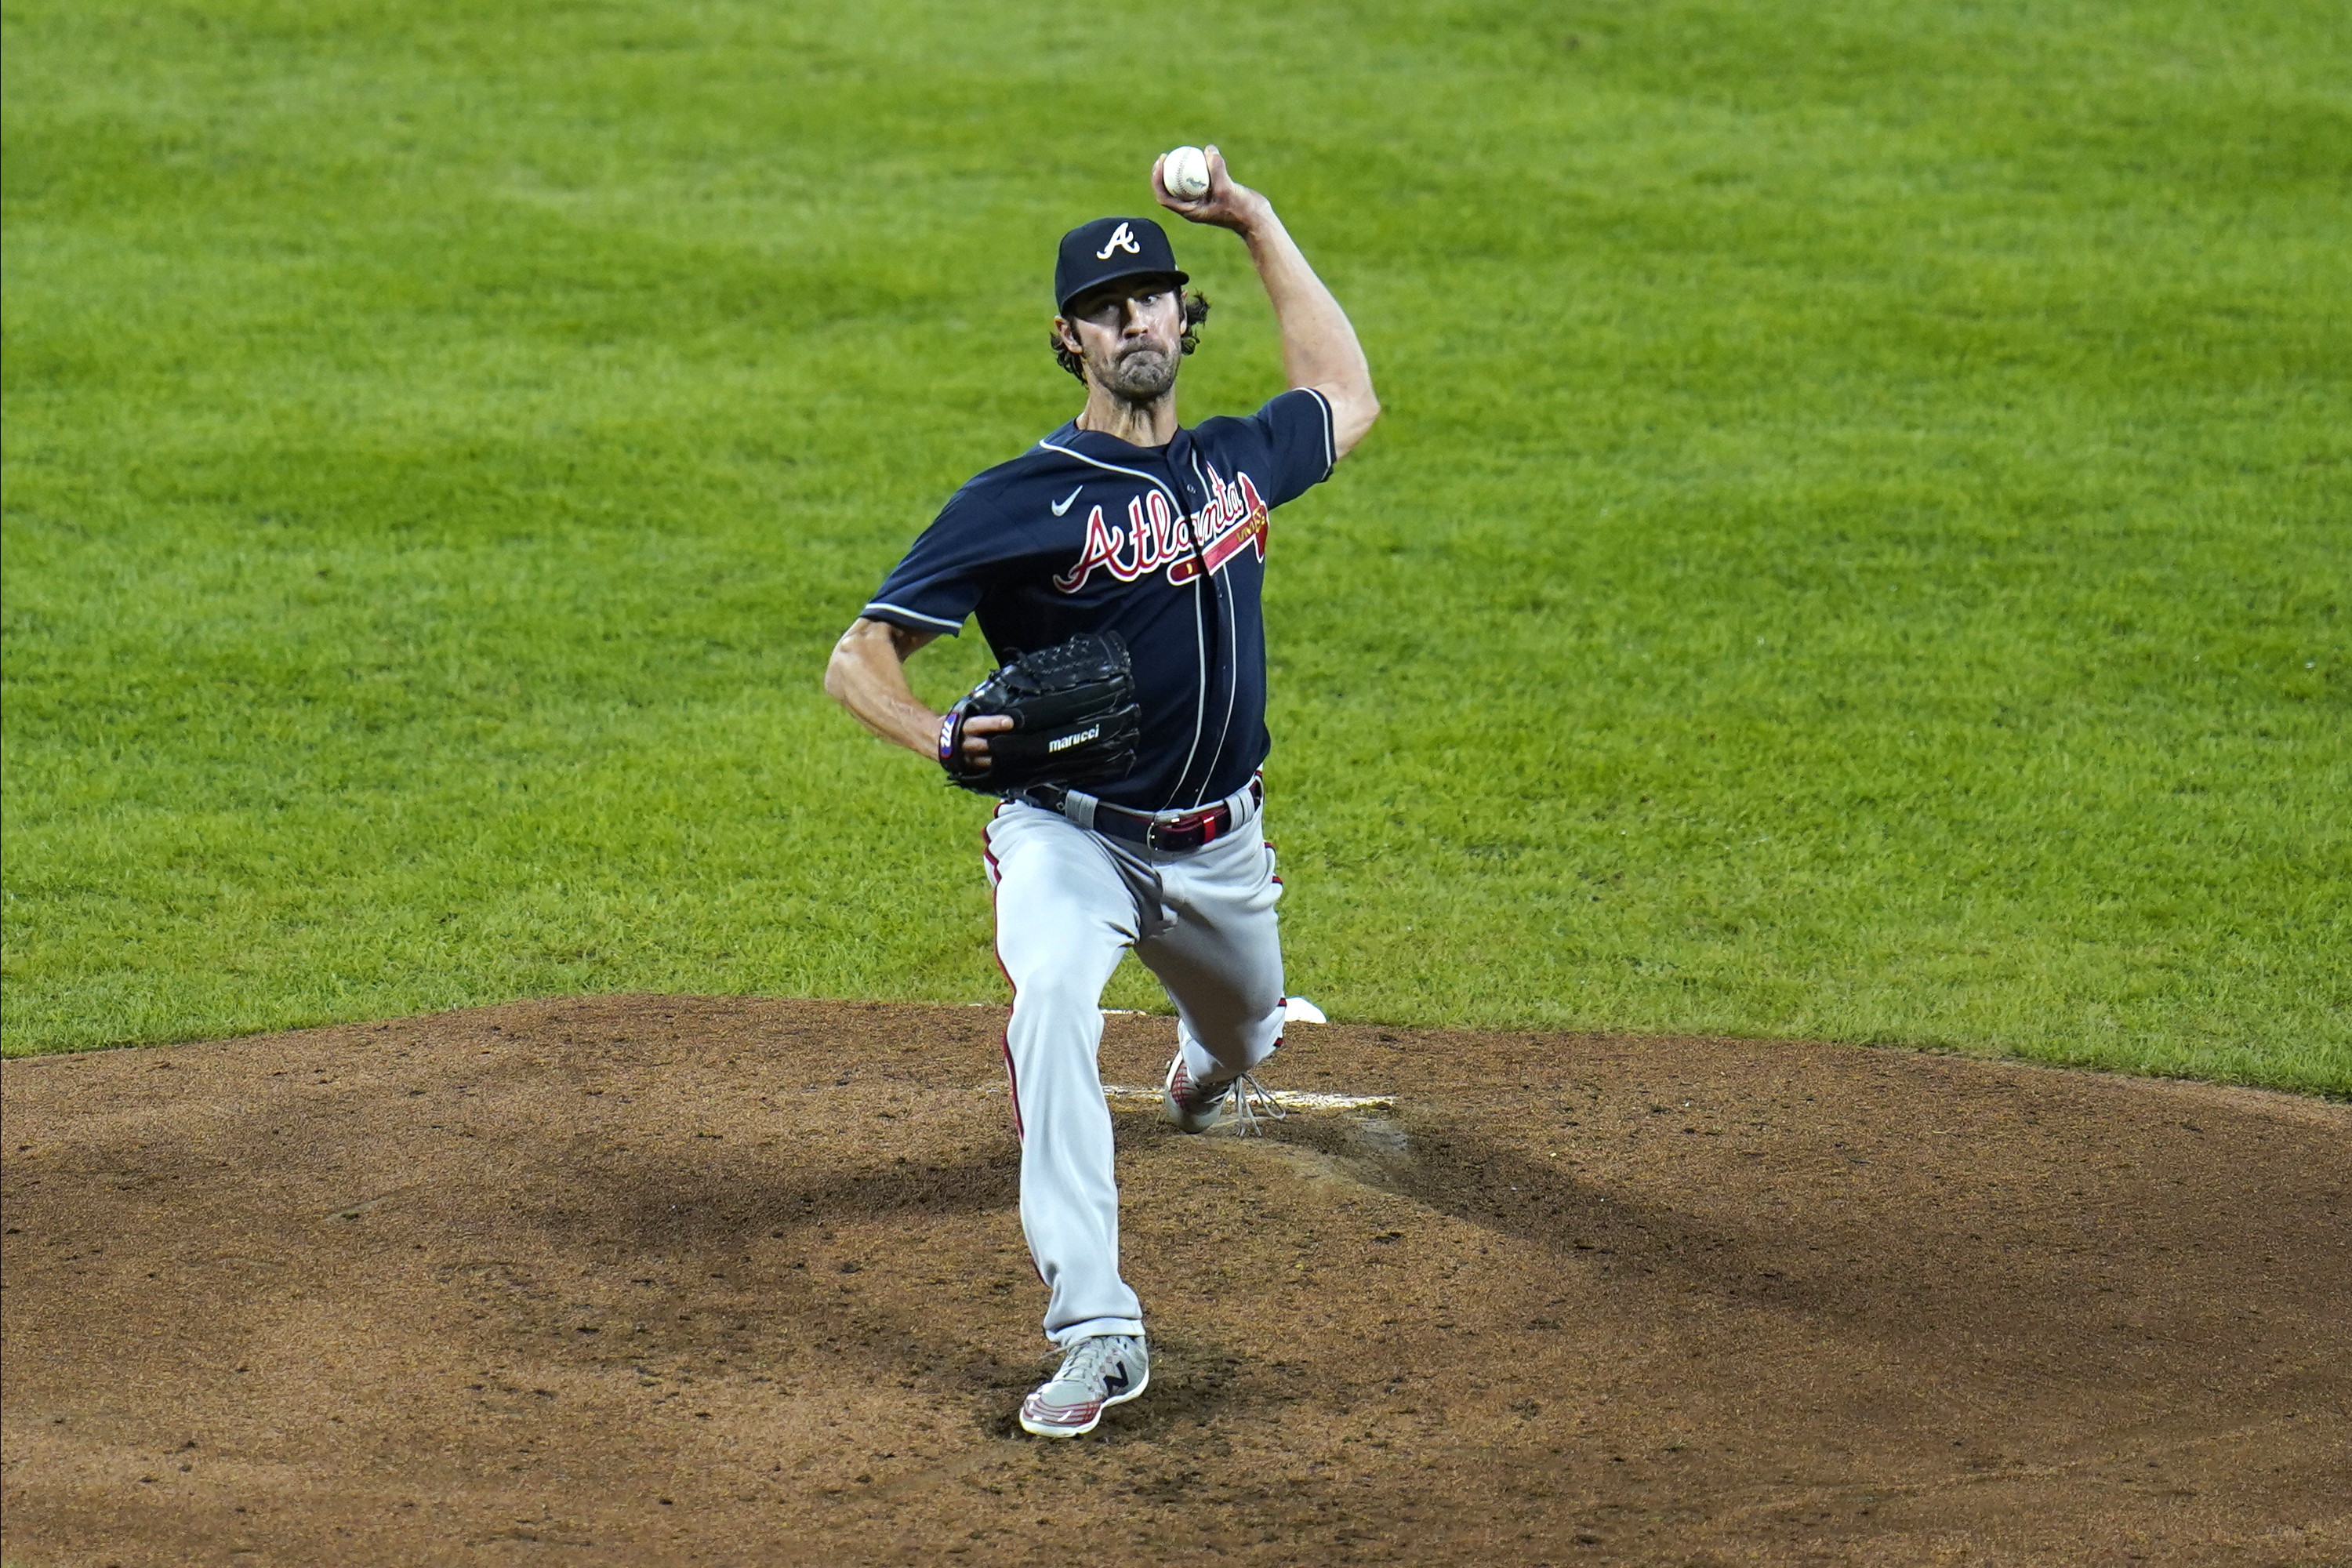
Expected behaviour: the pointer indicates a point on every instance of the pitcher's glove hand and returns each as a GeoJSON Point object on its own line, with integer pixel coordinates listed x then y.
{"type": "Point", "coordinates": [1075, 719]}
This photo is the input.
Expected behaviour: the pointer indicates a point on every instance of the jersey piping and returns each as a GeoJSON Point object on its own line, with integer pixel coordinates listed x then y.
{"type": "Point", "coordinates": [872, 605]}
{"type": "Point", "coordinates": [1155, 483]}
{"type": "Point", "coordinates": [1330, 431]}
{"type": "Point", "coordinates": [1232, 674]}
{"type": "Point", "coordinates": [1200, 633]}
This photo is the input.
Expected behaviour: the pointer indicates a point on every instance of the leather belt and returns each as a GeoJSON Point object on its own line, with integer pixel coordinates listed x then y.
{"type": "Point", "coordinates": [1170, 835]}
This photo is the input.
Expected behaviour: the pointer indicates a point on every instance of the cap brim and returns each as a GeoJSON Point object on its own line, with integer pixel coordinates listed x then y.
{"type": "Point", "coordinates": [1091, 284]}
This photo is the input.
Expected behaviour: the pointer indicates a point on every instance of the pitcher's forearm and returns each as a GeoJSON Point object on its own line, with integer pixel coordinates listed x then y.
{"type": "Point", "coordinates": [868, 676]}
{"type": "Point", "coordinates": [900, 720]}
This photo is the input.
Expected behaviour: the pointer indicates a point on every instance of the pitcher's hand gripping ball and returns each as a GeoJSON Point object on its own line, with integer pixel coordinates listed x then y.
{"type": "Point", "coordinates": [1075, 719]}
{"type": "Point", "coordinates": [1185, 173]}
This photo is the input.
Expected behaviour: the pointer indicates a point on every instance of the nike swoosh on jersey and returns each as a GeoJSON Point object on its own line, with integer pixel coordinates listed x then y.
{"type": "Point", "coordinates": [1063, 504]}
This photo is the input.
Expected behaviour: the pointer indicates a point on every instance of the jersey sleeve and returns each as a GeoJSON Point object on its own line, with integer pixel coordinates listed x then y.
{"type": "Point", "coordinates": [1296, 430]}
{"type": "Point", "coordinates": [940, 581]}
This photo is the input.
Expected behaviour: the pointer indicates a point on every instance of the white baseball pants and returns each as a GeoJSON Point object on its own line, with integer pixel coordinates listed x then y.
{"type": "Point", "coordinates": [1069, 902]}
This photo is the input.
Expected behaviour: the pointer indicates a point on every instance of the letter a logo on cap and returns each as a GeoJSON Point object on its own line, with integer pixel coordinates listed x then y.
{"type": "Point", "coordinates": [1111, 250]}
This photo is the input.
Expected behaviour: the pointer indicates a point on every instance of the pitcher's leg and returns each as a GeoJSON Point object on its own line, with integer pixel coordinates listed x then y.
{"type": "Point", "coordinates": [1221, 961]}
{"type": "Point", "coordinates": [1063, 920]}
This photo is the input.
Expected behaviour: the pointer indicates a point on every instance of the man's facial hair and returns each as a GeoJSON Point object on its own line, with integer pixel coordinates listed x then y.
{"type": "Point", "coordinates": [1142, 374]}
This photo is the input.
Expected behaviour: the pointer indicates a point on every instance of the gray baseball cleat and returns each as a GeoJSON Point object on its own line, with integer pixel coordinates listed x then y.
{"type": "Point", "coordinates": [1096, 1374]}
{"type": "Point", "coordinates": [1197, 1107]}
{"type": "Point", "coordinates": [1193, 1106]}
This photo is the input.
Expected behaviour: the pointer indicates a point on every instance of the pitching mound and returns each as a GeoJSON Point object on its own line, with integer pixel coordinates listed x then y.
{"type": "Point", "coordinates": [640, 1281]}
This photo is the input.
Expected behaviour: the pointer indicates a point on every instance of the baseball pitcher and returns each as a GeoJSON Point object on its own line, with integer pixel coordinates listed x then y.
{"type": "Point", "coordinates": [1116, 567]}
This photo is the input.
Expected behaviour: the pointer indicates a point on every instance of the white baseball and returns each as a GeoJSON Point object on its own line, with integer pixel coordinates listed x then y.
{"type": "Point", "coordinates": [1186, 174]}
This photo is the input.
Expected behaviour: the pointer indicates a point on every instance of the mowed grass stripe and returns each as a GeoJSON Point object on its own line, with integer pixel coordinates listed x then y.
{"type": "Point", "coordinates": [1857, 547]}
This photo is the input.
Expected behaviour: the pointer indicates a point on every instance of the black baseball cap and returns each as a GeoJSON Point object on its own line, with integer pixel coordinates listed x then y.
{"type": "Point", "coordinates": [1110, 250]}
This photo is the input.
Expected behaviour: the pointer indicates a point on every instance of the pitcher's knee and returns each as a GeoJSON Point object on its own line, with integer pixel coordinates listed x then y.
{"type": "Point", "coordinates": [1239, 1048]}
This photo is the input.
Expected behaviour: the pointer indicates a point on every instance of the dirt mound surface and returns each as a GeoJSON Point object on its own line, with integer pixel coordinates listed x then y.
{"type": "Point", "coordinates": [656, 1280]}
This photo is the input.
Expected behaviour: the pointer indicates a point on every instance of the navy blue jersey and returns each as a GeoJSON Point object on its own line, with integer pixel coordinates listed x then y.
{"type": "Point", "coordinates": [1164, 546]}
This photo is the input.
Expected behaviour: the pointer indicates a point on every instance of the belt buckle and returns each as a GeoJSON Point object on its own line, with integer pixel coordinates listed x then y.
{"type": "Point", "coordinates": [1186, 834]}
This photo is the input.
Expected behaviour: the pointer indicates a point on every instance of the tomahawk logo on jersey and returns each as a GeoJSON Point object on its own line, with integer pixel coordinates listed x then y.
{"type": "Point", "coordinates": [1084, 532]}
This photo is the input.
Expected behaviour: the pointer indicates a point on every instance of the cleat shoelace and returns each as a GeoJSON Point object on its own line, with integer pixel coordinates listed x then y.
{"type": "Point", "coordinates": [1251, 1103]}
{"type": "Point", "coordinates": [1248, 1100]}
{"type": "Point", "coordinates": [1088, 1362]}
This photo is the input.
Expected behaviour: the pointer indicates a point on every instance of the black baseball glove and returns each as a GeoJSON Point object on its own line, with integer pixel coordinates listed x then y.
{"type": "Point", "coordinates": [1075, 719]}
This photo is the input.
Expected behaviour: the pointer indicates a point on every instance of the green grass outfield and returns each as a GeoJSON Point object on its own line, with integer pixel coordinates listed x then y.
{"type": "Point", "coordinates": [1858, 547]}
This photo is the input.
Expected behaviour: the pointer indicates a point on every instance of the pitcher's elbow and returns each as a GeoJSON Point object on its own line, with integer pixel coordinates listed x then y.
{"type": "Point", "coordinates": [836, 677]}
{"type": "Point", "coordinates": [1351, 421]}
